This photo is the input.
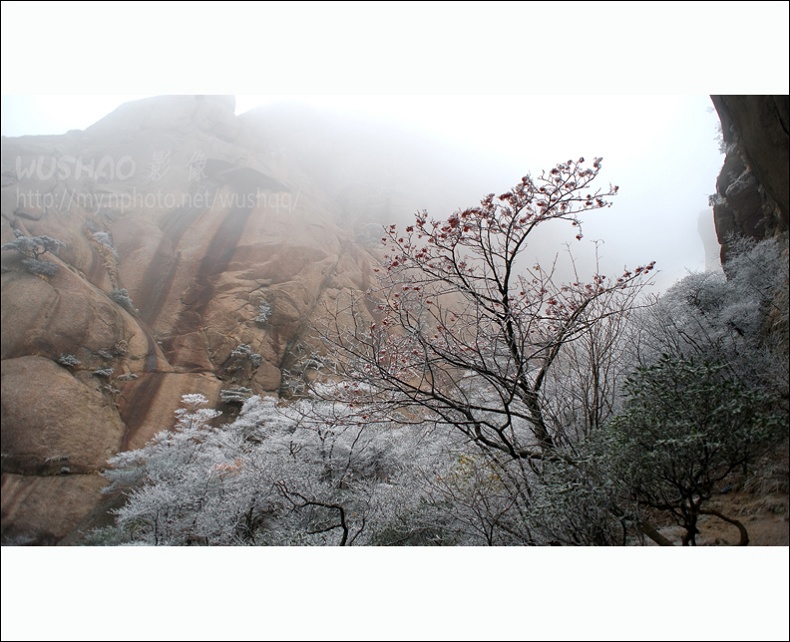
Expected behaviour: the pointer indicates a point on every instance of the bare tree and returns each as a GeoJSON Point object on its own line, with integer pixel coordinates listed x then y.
{"type": "Point", "coordinates": [458, 332]}
{"type": "Point", "coordinates": [464, 332]}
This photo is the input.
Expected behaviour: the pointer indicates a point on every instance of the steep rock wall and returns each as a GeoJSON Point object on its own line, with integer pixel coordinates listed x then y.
{"type": "Point", "coordinates": [753, 188]}
{"type": "Point", "coordinates": [183, 205]}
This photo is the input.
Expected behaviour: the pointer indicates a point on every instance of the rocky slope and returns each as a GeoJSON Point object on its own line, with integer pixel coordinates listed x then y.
{"type": "Point", "coordinates": [226, 252]}
{"type": "Point", "coordinates": [199, 247]}
{"type": "Point", "coordinates": [752, 197]}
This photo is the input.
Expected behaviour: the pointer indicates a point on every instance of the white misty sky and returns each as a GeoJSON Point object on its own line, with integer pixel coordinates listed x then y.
{"type": "Point", "coordinates": [542, 82]}
{"type": "Point", "coordinates": [661, 150]}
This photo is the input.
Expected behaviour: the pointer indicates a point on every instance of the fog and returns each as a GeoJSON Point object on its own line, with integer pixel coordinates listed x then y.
{"type": "Point", "coordinates": [385, 157]}
{"type": "Point", "coordinates": [451, 150]}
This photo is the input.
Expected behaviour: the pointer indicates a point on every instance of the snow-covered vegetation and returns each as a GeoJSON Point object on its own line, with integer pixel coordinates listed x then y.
{"type": "Point", "coordinates": [487, 404]}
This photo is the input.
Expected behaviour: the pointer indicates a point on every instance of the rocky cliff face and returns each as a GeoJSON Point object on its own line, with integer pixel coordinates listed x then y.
{"type": "Point", "coordinates": [752, 191]}
{"type": "Point", "coordinates": [194, 259]}
{"type": "Point", "coordinates": [199, 248]}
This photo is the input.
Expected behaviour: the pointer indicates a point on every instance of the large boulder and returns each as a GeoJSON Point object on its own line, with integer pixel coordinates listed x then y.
{"type": "Point", "coordinates": [753, 188]}
{"type": "Point", "coordinates": [44, 509]}
{"type": "Point", "coordinates": [54, 423]}
{"type": "Point", "coordinates": [179, 226]}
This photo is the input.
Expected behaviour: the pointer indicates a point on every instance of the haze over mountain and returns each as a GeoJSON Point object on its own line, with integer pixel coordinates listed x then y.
{"type": "Point", "coordinates": [198, 248]}
{"type": "Point", "coordinates": [189, 236]}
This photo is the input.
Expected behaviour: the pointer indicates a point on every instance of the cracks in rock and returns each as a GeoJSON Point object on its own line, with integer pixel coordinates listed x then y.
{"type": "Point", "coordinates": [308, 314]}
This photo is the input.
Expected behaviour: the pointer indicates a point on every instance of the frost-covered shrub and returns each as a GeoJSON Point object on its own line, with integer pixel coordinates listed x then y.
{"type": "Point", "coordinates": [32, 248]}
{"type": "Point", "coordinates": [241, 351]}
{"type": "Point", "coordinates": [264, 312]}
{"type": "Point", "coordinates": [685, 427]}
{"type": "Point", "coordinates": [40, 267]}
{"type": "Point", "coordinates": [244, 352]}
{"type": "Point", "coordinates": [578, 503]}
{"type": "Point", "coordinates": [69, 360]}
{"type": "Point", "coordinates": [235, 395]}
{"type": "Point", "coordinates": [122, 298]}
{"type": "Point", "coordinates": [105, 373]}
{"type": "Point", "coordinates": [311, 473]}
{"type": "Point", "coordinates": [738, 319]}
{"type": "Point", "coordinates": [105, 239]}
{"type": "Point", "coordinates": [299, 474]}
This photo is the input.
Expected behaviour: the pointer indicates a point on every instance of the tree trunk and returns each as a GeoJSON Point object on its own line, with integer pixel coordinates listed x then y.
{"type": "Point", "coordinates": [653, 534]}
{"type": "Point", "coordinates": [744, 541]}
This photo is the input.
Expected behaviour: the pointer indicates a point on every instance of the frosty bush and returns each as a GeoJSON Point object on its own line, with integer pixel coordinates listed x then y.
{"type": "Point", "coordinates": [32, 248]}
{"type": "Point", "coordinates": [308, 473]}
{"type": "Point", "coordinates": [235, 395]}
{"type": "Point", "coordinates": [105, 373]}
{"type": "Point", "coordinates": [69, 360]}
{"type": "Point", "coordinates": [685, 427]}
{"type": "Point", "coordinates": [241, 353]}
{"type": "Point", "coordinates": [105, 239]}
{"type": "Point", "coordinates": [40, 267]}
{"type": "Point", "coordinates": [122, 298]}
{"type": "Point", "coordinates": [738, 320]}
{"type": "Point", "coordinates": [264, 312]}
